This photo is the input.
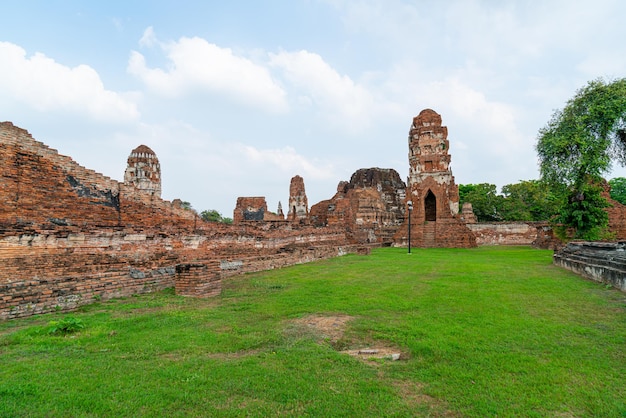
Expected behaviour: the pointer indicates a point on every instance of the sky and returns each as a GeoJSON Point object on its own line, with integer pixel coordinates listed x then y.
{"type": "Point", "coordinates": [237, 97]}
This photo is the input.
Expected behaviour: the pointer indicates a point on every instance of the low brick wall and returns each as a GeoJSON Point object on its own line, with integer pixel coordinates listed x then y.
{"type": "Point", "coordinates": [495, 233]}
{"type": "Point", "coordinates": [598, 261]}
{"type": "Point", "coordinates": [62, 269]}
{"type": "Point", "coordinates": [198, 279]}
{"type": "Point", "coordinates": [36, 296]}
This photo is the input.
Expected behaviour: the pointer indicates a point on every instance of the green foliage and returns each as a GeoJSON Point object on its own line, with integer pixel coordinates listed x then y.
{"type": "Point", "coordinates": [490, 331]}
{"type": "Point", "coordinates": [576, 149]}
{"type": "Point", "coordinates": [212, 215]}
{"type": "Point", "coordinates": [484, 199]}
{"type": "Point", "coordinates": [67, 325]}
{"type": "Point", "coordinates": [531, 200]}
{"type": "Point", "coordinates": [618, 189]}
{"type": "Point", "coordinates": [185, 205]}
{"type": "Point", "coordinates": [584, 213]}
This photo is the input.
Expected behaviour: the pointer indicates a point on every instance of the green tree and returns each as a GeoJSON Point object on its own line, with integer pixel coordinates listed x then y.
{"type": "Point", "coordinates": [618, 189]}
{"type": "Point", "coordinates": [576, 149]}
{"type": "Point", "coordinates": [212, 215]}
{"type": "Point", "coordinates": [530, 200]}
{"type": "Point", "coordinates": [484, 199]}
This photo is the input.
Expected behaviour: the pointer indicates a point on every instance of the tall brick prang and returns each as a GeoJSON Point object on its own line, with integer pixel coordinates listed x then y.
{"type": "Point", "coordinates": [298, 202]}
{"type": "Point", "coordinates": [435, 220]}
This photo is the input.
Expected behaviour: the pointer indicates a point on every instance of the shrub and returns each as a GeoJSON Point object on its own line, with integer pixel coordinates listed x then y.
{"type": "Point", "coordinates": [67, 325]}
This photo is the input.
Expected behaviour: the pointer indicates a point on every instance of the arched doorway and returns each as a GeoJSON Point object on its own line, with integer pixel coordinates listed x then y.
{"type": "Point", "coordinates": [430, 206]}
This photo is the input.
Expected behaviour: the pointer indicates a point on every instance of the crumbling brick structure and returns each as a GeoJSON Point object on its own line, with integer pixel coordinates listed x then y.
{"type": "Point", "coordinates": [69, 236]}
{"type": "Point", "coordinates": [254, 209]}
{"type": "Point", "coordinates": [435, 220]}
{"type": "Point", "coordinates": [298, 202]}
{"type": "Point", "coordinates": [143, 171]}
{"type": "Point", "coordinates": [369, 207]}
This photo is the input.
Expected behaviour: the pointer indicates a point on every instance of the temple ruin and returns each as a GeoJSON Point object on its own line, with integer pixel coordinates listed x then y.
{"type": "Point", "coordinates": [70, 236]}
{"type": "Point", "coordinates": [431, 190]}
{"type": "Point", "coordinates": [369, 207]}
{"type": "Point", "coordinates": [143, 171]}
{"type": "Point", "coordinates": [298, 202]}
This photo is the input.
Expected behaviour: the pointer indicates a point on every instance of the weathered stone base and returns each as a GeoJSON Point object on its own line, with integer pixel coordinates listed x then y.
{"type": "Point", "coordinates": [598, 261]}
{"type": "Point", "coordinates": [445, 233]}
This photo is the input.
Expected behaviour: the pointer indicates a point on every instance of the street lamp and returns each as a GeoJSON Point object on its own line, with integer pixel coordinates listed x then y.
{"type": "Point", "coordinates": [410, 205]}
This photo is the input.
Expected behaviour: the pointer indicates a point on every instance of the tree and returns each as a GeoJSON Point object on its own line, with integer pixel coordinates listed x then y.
{"type": "Point", "coordinates": [618, 189]}
{"type": "Point", "coordinates": [530, 200]}
{"type": "Point", "coordinates": [212, 215]}
{"type": "Point", "coordinates": [484, 199]}
{"type": "Point", "coordinates": [576, 149]}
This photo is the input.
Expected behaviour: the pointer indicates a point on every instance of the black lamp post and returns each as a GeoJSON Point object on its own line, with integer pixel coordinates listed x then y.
{"type": "Point", "coordinates": [410, 205]}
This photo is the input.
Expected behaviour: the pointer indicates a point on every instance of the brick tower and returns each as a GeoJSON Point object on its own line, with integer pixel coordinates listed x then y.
{"type": "Point", "coordinates": [144, 171]}
{"type": "Point", "coordinates": [298, 202]}
{"type": "Point", "coordinates": [435, 220]}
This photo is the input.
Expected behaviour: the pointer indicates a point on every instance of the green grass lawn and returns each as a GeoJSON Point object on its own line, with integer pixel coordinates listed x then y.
{"type": "Point", "coordinates": [492, 331]}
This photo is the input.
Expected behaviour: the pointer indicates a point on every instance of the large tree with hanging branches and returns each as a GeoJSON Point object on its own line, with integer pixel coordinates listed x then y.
{"type": "Point", "coordinates": [577, 148]}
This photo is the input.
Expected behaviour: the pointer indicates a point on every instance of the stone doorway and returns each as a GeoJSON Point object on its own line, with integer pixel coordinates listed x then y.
{"type": "Point", "coordinates": [430, 206]}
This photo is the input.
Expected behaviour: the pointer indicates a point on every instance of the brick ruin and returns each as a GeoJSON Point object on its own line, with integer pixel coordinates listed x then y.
{"type": "Point", "coordinates": [432, 192]}
{"type": "Point", "coordinates": [369, 207]}
{"type": "Point", "coordinates": [69, 236]}
{"type": "Point", "coordinates": [254, 209]}
{"type": "Point", "coordinates": [143, 171]}
{"type": "Point", "coordinates": [298, 202]}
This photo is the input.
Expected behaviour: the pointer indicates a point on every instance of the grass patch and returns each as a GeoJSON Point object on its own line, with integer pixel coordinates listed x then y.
{"type": "Point", "coordinates": [492, 331]}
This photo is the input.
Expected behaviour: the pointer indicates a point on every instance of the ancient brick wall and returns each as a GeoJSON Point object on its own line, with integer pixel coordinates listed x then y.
{"type": "Point", "coordinates": [617, 216]}
{"type": "Point", "coordinates": [41, 188]}
{"type": "Point", "coordinates": [67, 267]}
{"type": "Point", "coordinates": [254, 209]}
{"type": "Point", "coordinates": [69, 236]}
{"type": "Point", "coordinates": [504, 233]}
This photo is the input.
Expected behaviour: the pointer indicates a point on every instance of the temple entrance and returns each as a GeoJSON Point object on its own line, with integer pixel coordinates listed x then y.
{"type": "Point", "coordinates": [430, 206]}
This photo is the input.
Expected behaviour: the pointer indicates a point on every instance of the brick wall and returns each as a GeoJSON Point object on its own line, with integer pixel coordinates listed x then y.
{"type": "Point", "coordinates": [70, 236]}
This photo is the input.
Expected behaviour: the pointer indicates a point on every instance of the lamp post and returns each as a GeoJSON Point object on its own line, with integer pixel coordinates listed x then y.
{"type": "Point", "coordinates": [410, 206]}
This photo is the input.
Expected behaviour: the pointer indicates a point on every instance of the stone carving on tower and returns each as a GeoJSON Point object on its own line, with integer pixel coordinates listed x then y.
{"type": "Point", "coordinates": [143, 171]}
{"type": "Point", "coordinates": [435, 219]}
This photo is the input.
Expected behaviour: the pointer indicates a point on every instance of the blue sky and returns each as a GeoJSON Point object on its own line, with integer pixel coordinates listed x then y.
{"type": "Point", "coordinates": [237, 97]}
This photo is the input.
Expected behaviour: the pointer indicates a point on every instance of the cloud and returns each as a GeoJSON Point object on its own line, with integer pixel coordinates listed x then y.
{"type": "Point", "coordinates": [288, 161]}
{"type": "Point", "coordinates": [342, 101]}
{"type": "Point", "coordinates": [46, 85]}
{"type": "Point", "coordinates": [197, 64]}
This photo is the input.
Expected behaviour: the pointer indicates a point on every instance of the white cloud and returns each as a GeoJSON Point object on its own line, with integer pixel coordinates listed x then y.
{"type": "Point", "coordinates": [46, 85]}
{"type": "Point", "coordinates": [288, 161]}
{"type": "Point", "coordinates": [342, 101]}
{"type": "Point", "coordinates": [196, 64]}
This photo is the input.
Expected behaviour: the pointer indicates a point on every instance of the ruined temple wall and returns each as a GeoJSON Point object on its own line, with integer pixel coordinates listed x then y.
{"type": "Point", "coordinates": [69, 235]}
{"type": "Point", "coordinates": [38, 186]}
{"type": "Point", "coordinates": [505, 233]}
{"type": "Point", "coordinates": [617, 218]}
{"type": "Point", "coordinates": [65, 268]}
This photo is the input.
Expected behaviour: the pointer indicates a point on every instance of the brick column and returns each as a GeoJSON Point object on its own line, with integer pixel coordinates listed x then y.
{"type": "Point", "coordinates": [198, 279]}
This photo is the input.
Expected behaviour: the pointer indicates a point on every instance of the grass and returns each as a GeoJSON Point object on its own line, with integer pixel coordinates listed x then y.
{"type": "Point", "coordinates": [493, 331]}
